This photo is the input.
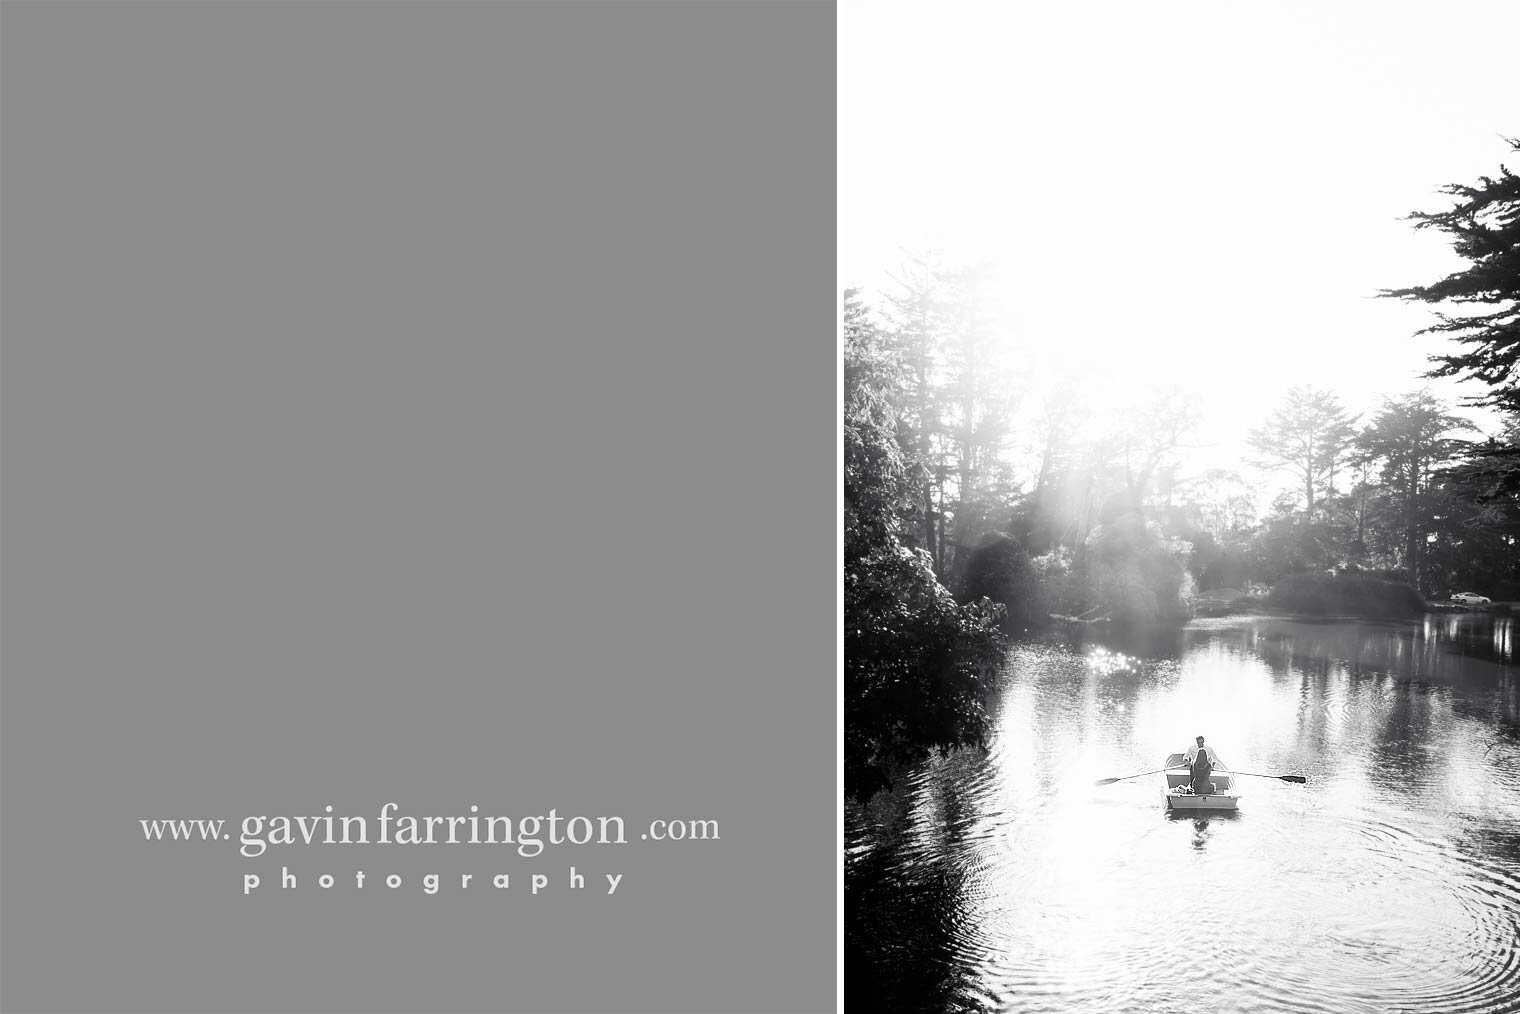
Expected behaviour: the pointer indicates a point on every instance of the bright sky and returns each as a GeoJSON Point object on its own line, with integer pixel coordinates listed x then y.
{"type": "Point", "coordinates": [1201, 195]}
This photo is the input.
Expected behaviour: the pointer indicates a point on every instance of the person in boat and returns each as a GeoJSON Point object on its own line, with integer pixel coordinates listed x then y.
{"type": "Point", "coordinates": [1200, 762]}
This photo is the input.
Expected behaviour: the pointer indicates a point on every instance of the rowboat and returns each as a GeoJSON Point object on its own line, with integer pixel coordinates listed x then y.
{"type": "Point", "coordinates": [1179, 790]}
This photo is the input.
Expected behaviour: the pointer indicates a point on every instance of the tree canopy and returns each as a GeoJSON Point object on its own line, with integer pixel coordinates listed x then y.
{"type": "Point", "coordinates": [1484, 226]}
{"type": "Point", "coordinates": [920, 668]}
{"type": "Point", "coordinates": [1308, 436]}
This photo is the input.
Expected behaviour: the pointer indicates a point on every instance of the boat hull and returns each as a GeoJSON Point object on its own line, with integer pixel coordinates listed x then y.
{"type": "Point", "coordinates": [1188, 801]}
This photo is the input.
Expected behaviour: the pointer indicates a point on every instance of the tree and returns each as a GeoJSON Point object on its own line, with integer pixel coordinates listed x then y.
{"type": "Point", "coordinates": [958, 407]}
{"type": "Point", "coordinates": [1288, 541]}
{"type": "Point", "coordinates": [1355, 509]}
{"type": "Point", "coordinates": [1219, 502]}
{"type": "Point", "coordinates": [918, 314]}
{"type": "Point", "coordinates": [1215, 512]}
{"type": "Point", "coordinates": [1409, 442]}
{"type": "Point", "coordinates": [1484, 226]}
{"type": "Point", "coordinates": [1483, 490]}
{"type": "Point", "coordinates": [919, 668]}
{"type": "Point", "coordinates": [1134, 573]}
{"type": "Point", "coordinates": [978, 401]}
{"type": "Point", "coordinates": [1488, 479]}
{"type": "Point", "coordinates": [877, 488]}
{"type": "Point", "coordinates": [1150, 432]}
{"type": "Point", "coordinates": [1040, 522]}
{"type": "Point", "coordinates": [1309, 436]}
{"type": "Point", "coordinates": [1480, 543]}
{"type": "Point", "coordinates": [999, 569]}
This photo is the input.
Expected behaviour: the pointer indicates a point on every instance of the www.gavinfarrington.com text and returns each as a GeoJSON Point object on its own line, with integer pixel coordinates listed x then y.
{"type": "Point", "coordinates": [529, 834]}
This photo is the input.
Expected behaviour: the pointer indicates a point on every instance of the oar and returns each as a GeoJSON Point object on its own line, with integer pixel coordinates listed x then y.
{"type": "Point", "coordinates": [1110, 781]}
{"type": "Point", "coordinates": [1300, 779]}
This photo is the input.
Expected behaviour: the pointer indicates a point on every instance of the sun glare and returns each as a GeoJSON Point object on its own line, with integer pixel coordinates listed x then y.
{"type": "Point", "coordinates": [1158, 213]}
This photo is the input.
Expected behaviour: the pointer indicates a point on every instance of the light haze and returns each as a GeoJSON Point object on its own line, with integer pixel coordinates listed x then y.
{"type": "Point", "coordinates": [1195, 196]}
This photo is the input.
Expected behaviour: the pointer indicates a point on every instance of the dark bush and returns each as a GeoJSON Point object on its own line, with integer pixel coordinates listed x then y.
{"type": "Point", "coordinates": [1133, 572]}
{"type": "Point", "coordinates": [920, 670]}
{"type": "Point", "coordinates": [1000, 570]}
{"type": "Point", "coordinates": [1346, 595]}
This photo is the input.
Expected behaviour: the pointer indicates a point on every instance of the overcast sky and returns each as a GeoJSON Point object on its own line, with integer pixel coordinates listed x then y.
{"type": "Point", "coordinates": [1207, 195]}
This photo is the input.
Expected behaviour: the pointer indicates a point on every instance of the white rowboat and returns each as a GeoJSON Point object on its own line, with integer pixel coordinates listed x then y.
{"type": "Point", "coordinates": [1179, 792]}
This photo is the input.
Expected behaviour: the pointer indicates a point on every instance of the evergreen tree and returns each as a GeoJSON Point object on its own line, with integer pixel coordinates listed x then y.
{"type": "Point", "coordinates": [1409, 441]}
{"type": "Point", "coordinates": [918, 314]}
{"type": "Point", "coordinates": [1480, 541]}
{"type": "Point", "coordinates": [957, 411]}
{"type": "Point", "coordinates": [1309, 436]}
{"type": "Point", "coordinates": [1484, 226]}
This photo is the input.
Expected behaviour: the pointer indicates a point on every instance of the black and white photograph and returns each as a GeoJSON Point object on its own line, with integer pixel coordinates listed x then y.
{"type": "Point", "coordinates": [1180, 408]}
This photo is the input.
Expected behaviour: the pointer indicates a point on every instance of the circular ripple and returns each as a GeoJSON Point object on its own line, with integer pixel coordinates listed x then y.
{"type": "Point", "coordinates": [1380, 918]}
{"type": "Point", "coordinates": [1395, 920]}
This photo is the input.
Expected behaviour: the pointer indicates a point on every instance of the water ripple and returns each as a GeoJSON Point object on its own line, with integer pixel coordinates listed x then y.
{"type": "Point", "coordinates": [1389, 884]}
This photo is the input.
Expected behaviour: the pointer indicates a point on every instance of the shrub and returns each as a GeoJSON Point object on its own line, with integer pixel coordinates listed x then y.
{"type": "Point", "coordinates": [1000, 570]}
{"type": "Point", "coordinates": [920, 670]}
{"type": "Point", "coordinates": [1346, 595]}
{"type": "Point", "coordinates": [1134, 573]}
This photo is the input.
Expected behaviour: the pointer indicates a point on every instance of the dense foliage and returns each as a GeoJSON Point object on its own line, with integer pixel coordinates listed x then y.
{"type": "Point", "coordinates": [1133, 571]}
{"type": "Point", "coordinates": [999, 569]}
{"type": "Point", "coordinates": [920, 668]}
{"type": "Point", "coordinates": [1347, 595]}
{"type": "Point", "coordinates": [1484, 488]}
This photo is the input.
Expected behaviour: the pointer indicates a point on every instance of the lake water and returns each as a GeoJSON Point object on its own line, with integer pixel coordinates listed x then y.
{"type": "Point", "coordinates": [1390, 882]}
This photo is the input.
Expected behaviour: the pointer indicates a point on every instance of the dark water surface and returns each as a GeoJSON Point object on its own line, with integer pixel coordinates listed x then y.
{"type": "Point", "coordinates": [1007, 880]}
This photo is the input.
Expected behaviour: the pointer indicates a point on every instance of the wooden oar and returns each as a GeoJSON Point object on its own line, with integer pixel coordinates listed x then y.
{"type": "Point", "coordinates": [1110, 781]}
{"type": "Point", "coordinates": [1300, 779]}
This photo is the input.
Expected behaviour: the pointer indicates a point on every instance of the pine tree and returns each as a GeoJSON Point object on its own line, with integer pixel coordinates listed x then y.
{"type": "Point", "coordinates": [1409, 441]}
{"type": "Point", "coordinates": [1308, 435]}
{"type": "Point", "coordinates": [1484, 227]}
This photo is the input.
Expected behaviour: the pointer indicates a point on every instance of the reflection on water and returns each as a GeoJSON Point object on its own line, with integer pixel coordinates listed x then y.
{"type": "Point", "coordinates": [1201, 824]}
{"type": "Point", "coordinates": [1006, 880]}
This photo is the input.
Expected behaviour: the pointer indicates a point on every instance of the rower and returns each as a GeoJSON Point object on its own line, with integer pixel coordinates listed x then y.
{"type": "Point", "coordinates": [1201, 762]}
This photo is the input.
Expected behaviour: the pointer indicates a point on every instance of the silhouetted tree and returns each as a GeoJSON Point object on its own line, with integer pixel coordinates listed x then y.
{"type": "Point", "coordinates": [1479, 543]}
{"type": "Point", "coordinates": [1148, 435]}
{"type": "Point", "coordinates": [919, 668]}
{"type": "Point", "coordinates": [1308, 435]}
{"type": "Point", "coordinates": [918, 313]}
{"type": "Point", "coordinates": [1409, 441]}
{"type": "Point", "coordinates": [960, 409]}
{"type": "Point", "coordinates": [1484, 226]}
